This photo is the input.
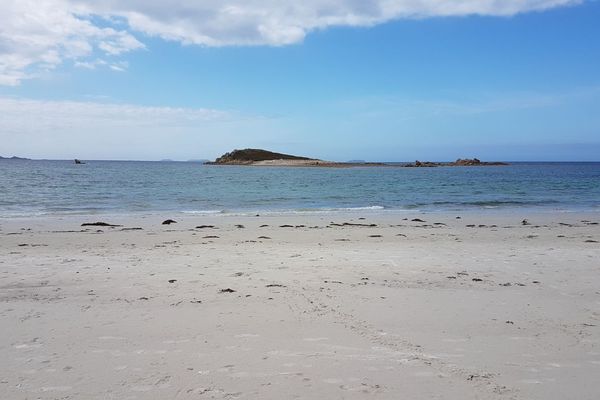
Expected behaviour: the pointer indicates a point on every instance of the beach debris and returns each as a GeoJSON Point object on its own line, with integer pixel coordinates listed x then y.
{"type": "Point", "coordinates": [351, 224]}
{"type": "Point", "coordinates": [275, 285]}
{"type": "Point", "coordinates": [375, 236]}
{"type": "Point", "coordinates": [451, 277]}
{"type": "Point", "coordinates": [477, 376]}
{"type": "Point", "coordinates": [535, 282]}
{"type": "Point", "coordinates": [169, 222]}
{"type": "Point", "coordinates": [401, 234]}
{"type": "Point", "coordinates": [439, 223]}
{"type": "Point", "coordinates": [264, 237]}
{"type": "Point", "coordinates": [417, 220]}
{"type": "Point", "coordinates": [210, 237]}
{"type": "Point", "coordinates": [195, 301]}
{"type": "Point", "coordinates": [172, 280]}
{"type": "Point", "coordinates": [239, 226]}
{"type": "Point", "coordinates": [458, 217]}
{"type": "Point", "coordinates": [206, 226]}
{"type": "Point", "coordinates": [99, 224]}
{"type": "Point", "coordinates": [591, 241]}
{"type": "Point", "coordinates": [263, 226]}
{"type": "Point", "coordinates": [132, 229]}
{"type": "Point", "coordinates": [525, 222]}
{"type": "Point", "coordinates": [506, 284]}
{"type": "Point", "coordinates": [286, 226]}
{"type": "Point", "coordinates": [143, 298]}
{"type": "Point", "coordinates": [228, 290]}
{"type": "Point", "coordinates": [509, 322]}
{"type": "Point", "coordinates": [477, 280]}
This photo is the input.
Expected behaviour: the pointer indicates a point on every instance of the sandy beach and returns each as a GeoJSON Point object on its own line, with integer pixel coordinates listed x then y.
{"type": "Point", "coordinates": [320, 306]}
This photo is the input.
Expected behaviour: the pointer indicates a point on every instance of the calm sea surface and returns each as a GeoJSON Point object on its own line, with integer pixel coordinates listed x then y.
{"type": "Point", "coordinates": [29, 188]}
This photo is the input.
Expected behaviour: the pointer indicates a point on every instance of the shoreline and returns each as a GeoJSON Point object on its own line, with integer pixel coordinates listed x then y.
{"type": "Point", "coordinates": [369, 211]}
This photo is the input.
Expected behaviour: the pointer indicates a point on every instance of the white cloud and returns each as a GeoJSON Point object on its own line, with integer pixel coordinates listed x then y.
{"type": "Point", "coordinates": [41, 34]}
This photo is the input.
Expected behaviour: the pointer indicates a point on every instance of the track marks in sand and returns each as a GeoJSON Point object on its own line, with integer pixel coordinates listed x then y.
{"type": "Point", "coordinates": [324, 304]}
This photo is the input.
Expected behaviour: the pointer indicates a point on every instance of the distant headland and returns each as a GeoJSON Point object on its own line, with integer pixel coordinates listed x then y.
{"type": "Point", "coordinates": [13, 158]}
{"type": "Point", "coordinates": [260, 157]}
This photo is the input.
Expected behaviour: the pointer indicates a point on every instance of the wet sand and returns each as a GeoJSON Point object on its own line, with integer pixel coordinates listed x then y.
{"type": "Point", "coordinates": [325, 306]}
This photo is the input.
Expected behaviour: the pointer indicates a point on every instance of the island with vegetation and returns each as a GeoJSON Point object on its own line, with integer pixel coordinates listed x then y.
{"type": "Point", "coordinates": [260, 157]}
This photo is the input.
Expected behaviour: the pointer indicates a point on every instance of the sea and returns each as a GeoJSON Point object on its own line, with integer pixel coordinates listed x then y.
{"type": "Point", "coordinates": [31, 188]}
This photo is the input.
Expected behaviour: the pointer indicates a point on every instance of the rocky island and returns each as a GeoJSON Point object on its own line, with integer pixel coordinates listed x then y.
{"type": "Point", "coordinates": [466, 162]}
{"type": "Point", "coordinates": [260, 157]}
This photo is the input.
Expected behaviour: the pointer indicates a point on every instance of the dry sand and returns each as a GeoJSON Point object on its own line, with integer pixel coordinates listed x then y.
{"type": "Point", "coordinates": [400, 310]}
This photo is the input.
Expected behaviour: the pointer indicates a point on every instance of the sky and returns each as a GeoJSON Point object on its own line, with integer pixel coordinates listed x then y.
{"type": "Point", "coordinates": [377, 80]}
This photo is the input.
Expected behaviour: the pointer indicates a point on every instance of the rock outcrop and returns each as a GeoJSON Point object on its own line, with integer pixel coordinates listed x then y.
{"type": "Point", "coordinates": [466, 162]}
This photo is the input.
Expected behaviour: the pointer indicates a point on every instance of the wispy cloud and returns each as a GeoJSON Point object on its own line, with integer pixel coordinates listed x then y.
{"type": "Point", "coordinates": [404, 108]}
{"type": "Point", "coordinates": [108, 130]}
{"type": "Point", "coordinates": [63, 114]}
{"type": "Point", "coordinates": [37, 35]}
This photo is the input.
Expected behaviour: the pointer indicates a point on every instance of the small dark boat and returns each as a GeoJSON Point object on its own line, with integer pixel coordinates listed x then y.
{"type": "Point", "coordinates": [79, 161]}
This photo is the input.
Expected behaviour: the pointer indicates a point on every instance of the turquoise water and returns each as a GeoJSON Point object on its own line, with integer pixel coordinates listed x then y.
{"type": "Point", "coordinates": [30, 188]}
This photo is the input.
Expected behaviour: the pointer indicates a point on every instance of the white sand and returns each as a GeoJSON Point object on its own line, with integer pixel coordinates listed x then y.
{"type": "Point", "coordinates": [91, 315]}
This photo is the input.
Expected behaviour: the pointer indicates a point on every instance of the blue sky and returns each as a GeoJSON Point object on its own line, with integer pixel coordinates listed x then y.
{"type": "Point", "coordinates": [521, 86]}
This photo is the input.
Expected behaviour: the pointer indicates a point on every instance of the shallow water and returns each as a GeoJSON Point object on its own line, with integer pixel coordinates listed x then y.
{"type": "Point", "coordinates": [60, 187]}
